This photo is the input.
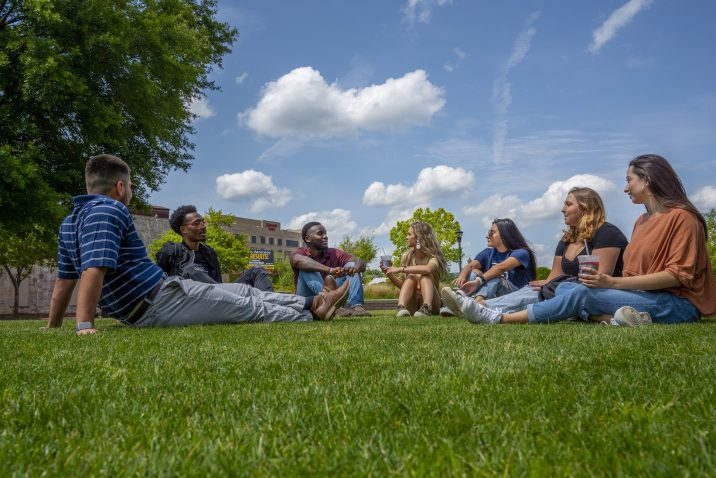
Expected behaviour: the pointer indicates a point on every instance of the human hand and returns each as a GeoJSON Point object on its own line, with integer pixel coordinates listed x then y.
{"type": "Point", "coordinates": [537, 284]}
{"type": "Point", "coordinates": [350, 271]}
{"type": "Point", "coordinates": [591, 278]}
{"type": "Point", "coordinates": [337, 272]}
{"type": "Point", "coordinates": [471, 286]}
{"type": "Point", "coordinates": [459, 281]}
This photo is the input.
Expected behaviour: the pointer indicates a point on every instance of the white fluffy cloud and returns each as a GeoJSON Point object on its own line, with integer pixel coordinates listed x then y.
{"type": "Point", "coordinates": [392, 217]}
{"type": "Point", "coordinates": [705, 198]}
{"type": "Point", "coordinates": [431, 183]}
{"type": "Point", "coordinates": [544, 207]}
{"type": "Point", "coordinates": [253, 187]}
{"type": "Point", "coordinates": [302, 104]}
{"type": "Point", "coordinates": [201, 107]}
{"type": "Point", "coordinates": [338, 223]}
{"type": "Point", "coordinates": [619, 17]}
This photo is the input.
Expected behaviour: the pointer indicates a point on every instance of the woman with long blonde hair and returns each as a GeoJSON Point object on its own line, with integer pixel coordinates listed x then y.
{"type": "Point", "coordinates": [418, 277]}
{"type": "Point", "coordinates": [587, 232]}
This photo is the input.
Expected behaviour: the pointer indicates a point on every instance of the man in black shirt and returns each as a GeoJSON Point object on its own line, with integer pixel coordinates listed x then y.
{"type": "Point", "coordinates": [192, 259]}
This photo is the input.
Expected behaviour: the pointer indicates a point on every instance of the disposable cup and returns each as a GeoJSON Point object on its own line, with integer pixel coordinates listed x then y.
{"type": "Point", "coordinates": [588, 261]}
{"type": "Point", "coordinates": [386, 261]}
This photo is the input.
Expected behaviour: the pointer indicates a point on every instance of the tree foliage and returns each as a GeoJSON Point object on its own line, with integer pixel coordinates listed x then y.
{"type": "Point", "coordinates": [443, 223]}
{"type": "Point", "coordinates": [19, 253]}
{"type": "Point", "coordinates": [363, 247]}
{"type": "Point", "coordinates": [82, 77]}
{"type": "Point", "coordinates": [231, 249]}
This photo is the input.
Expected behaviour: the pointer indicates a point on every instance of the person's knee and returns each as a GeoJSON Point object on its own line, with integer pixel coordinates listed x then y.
{"type": "Point", "coordinates": [412, 278]}
{"type": "Point", "coordinates": [578, 293]}
{"type": "Point", "coordinates": [308, 276]}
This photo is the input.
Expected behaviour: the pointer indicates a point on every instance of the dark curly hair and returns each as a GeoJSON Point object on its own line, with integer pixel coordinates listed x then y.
{"type": "Point", "coordinates": [177, 218]}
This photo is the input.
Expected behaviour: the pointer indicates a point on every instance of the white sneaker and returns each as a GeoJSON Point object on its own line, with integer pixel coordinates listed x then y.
{"type": "Point", "coordinates": [469, 308]}
{"type": "Point", "coordinates": [452, 301]}
{"type": "Point", "coordinates": [402, 311]}
{"type": "Point", "coordinates": [423, 311]}
{"type": "Point", "coordinates": [630, 317]}
{"type": "Point", "coordinates": [445, 312]}
{"type": "Point", "coordinates": [477, 313]}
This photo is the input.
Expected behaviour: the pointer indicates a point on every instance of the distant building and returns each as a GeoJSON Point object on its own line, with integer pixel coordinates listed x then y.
{"type": "Point", "coordinates": [266, 240]}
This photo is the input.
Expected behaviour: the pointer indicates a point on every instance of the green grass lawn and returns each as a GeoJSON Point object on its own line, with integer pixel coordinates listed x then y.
{"type": "Point", "coordinates": [372, 396]}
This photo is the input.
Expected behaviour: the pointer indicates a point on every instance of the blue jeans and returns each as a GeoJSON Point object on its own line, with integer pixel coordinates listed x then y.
{"type": "Point", "coordinates": [311, 283]}
{"type": "Point", "coordinates": [514, 301]}
{"type": "Point", "coordinates": [577, 300]}
{"type": "Point", "coordinates": [496, 287]}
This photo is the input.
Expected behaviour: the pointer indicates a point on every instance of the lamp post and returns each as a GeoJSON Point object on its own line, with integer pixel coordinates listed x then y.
{"type": "Point", "coordinates": [459, 250]}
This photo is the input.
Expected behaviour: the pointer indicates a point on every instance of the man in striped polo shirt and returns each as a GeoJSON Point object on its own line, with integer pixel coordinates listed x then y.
{"type": "Point", "coordinates": [98, 244]}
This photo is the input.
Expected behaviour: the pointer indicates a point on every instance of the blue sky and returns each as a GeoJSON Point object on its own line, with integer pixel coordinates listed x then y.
{"type": "Point", "coordinates": [356, 113]}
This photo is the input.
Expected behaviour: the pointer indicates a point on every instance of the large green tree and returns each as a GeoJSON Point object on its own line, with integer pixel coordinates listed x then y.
{"type": "Point", "coordinates": [363, 247]}
{"type": "Point", "coordinates": [82, 77]}
{"type": "Point", "coordinates": [19, 253]}
{"type": "Point", "coordinates": [231, 249]}
{"type": "Point", "coordinates": [444, 224]}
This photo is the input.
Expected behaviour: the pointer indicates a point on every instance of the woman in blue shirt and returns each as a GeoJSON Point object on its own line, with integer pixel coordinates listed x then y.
{"type": "Point", "coordinates": [506, 265]}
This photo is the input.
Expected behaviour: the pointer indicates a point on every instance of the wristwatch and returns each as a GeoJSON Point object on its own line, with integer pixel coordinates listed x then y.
{"type": "Point", "coordinates": [85, 326]}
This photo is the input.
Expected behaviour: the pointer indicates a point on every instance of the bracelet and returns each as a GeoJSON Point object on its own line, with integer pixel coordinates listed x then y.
{"type": "Point", "coordinates": [330, 270]}
{"type": "Point", "coordinates": [403, 269]}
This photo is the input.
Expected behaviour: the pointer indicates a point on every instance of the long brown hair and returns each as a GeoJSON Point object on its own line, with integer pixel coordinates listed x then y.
{"type": "Point", "coordinates": [428, 245]}
{"type": "Point", "coordinates": [665, 184]}
{"type": "Point", "coordinates": [593, 215]}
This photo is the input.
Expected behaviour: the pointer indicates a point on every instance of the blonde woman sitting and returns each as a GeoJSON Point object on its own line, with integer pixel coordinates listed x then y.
{"type": "Point", "coordinates": [418, 276]}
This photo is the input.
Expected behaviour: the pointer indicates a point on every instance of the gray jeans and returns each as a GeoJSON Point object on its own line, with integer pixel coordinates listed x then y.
{"type": "Point", "coordinates": [187, 302]}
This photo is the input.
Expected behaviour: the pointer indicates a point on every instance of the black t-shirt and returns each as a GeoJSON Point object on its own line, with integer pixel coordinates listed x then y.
{"type": "Point", "coordinates": [608, 235]}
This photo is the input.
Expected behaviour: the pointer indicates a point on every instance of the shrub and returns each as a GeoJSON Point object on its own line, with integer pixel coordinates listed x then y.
{"type": "Point", "coordinates": [380, 291]}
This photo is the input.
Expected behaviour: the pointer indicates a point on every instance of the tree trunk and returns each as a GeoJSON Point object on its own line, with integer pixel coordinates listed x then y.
{"type": "Point", "coordinates": [16, 305]}
{"type": "Point", "coordinates": [16, 280]}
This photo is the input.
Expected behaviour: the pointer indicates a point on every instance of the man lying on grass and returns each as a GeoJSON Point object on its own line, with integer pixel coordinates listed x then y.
{"type": "Point", "coordinates": [98, 244]}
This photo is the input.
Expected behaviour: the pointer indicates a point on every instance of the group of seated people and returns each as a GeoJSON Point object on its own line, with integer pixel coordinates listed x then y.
{"type": "Point", "coordinates": [664, 275]}
{"type": "Point", "coordinates": [315, 267]}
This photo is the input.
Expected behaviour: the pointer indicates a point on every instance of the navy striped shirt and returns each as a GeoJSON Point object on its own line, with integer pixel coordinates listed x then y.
{"type": "Point", "coordinates": [100, 233]}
